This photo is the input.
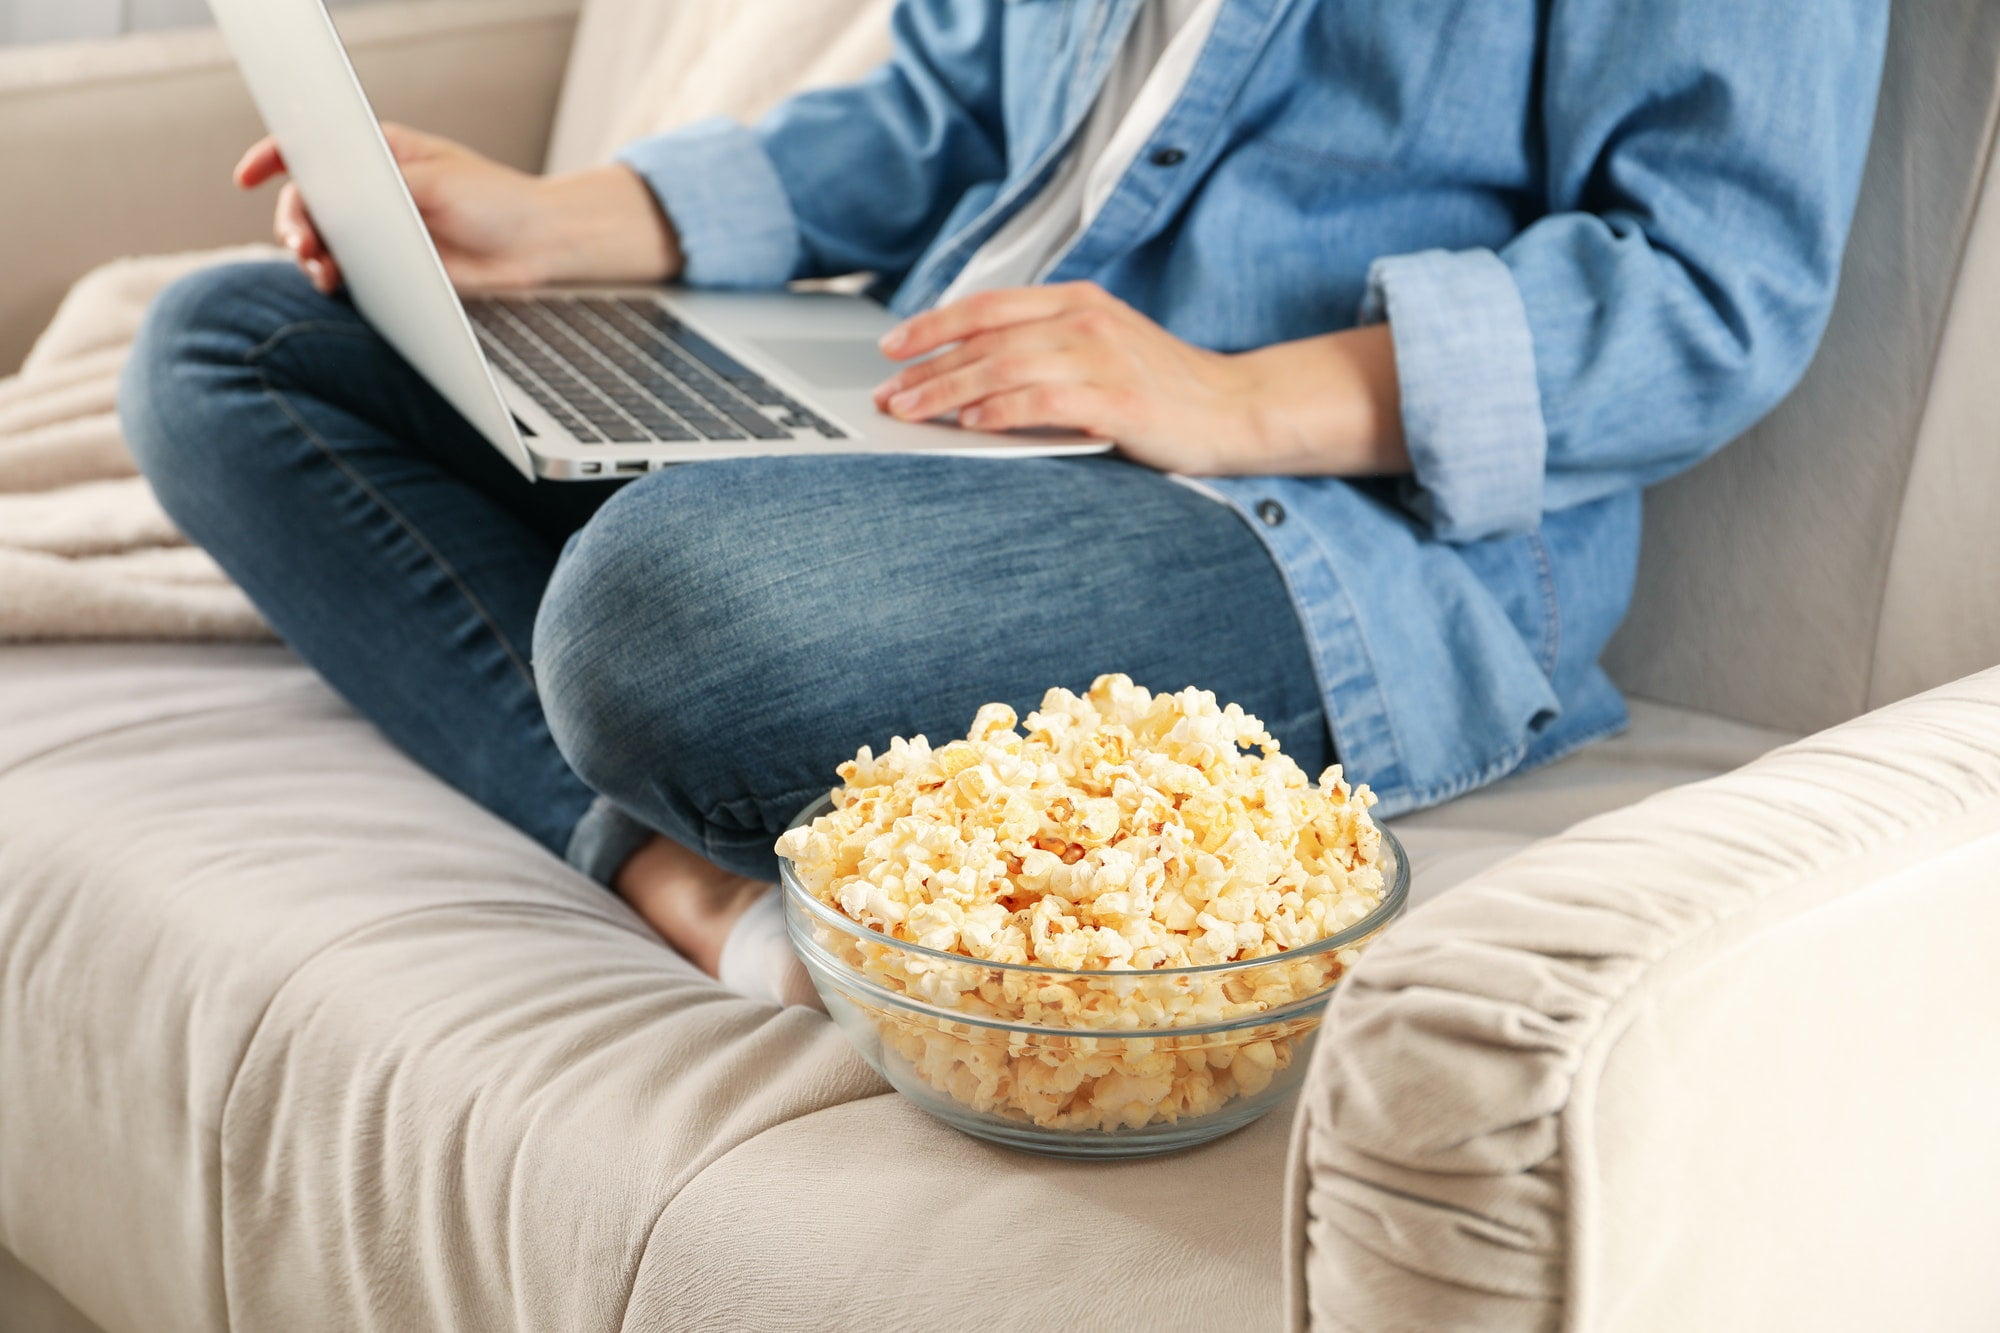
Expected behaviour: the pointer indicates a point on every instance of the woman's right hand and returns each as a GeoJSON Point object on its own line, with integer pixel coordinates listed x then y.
{"type": "Point", "coordinates": [496, 227]}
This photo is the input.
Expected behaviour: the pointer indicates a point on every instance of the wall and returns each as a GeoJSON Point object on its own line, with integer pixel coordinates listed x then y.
{"type": "Point", "coordinates": [64, 20]}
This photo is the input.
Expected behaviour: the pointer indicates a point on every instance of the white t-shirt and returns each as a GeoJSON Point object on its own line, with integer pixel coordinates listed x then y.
{"type": "Point", "coordinates": [1145, 79]}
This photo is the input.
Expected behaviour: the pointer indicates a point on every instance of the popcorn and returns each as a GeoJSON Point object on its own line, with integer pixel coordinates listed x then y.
{"type": "Point", "coordinates": [1122, 834]}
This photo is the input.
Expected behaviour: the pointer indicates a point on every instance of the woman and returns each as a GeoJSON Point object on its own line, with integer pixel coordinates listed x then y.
{"type": "Point", "coordinates": [1422, 291]}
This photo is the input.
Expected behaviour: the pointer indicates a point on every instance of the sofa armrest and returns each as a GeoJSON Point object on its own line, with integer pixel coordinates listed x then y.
{"type": "Point", "coordinates": [123, 147]}
{"type": "Point", "coordinates": [1728, 1058]}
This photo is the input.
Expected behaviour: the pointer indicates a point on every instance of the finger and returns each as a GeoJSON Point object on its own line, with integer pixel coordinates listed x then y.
{"type": "Point", "coordinates": [922, 373]}
{"type": "Point", "coordinates": [984, 311]}
{"type": "Point", "coordinates": [294, 226]}
{"type": "Point", "coordinates": [295, 229]}
{"type": "Point", "coordinates": [1078, 407]}
{"type": "Point", "coordinates": [325, 274]}
{"type": "Point", "coordinates": [259, 163]}
{"type": "Point", "coordinates": [1017, 340]}
{"type": "Point", "coordinates": [408, 145]}
{"type": "Point", "coordinates": [423, 177]}
{"type": "Point", "coordinates": [471, 271]}
{"type": "Point", "coordinates": [984, 379]}
{"type": "Point", "coordinates": [471, 276]}
{"type": "Point", "coordinates": [1014, 365]}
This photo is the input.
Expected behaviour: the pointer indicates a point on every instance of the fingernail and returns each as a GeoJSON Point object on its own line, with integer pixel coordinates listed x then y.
{"type": "Point", "coordinates": [894, 339]}
{"type": "Point", "coordinates": [888, 389]}
{"type": "Point", "coordinates": [903, 404]}
{"type": "Point", "coordinates": [971, 416]}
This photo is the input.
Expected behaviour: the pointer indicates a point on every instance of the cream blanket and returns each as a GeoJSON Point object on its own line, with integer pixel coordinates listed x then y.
{"type": "Point", "coordinates": [85, 551]}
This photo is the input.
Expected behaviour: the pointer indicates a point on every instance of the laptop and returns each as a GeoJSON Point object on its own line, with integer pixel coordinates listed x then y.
{"type": "Point", "coordinates": [575, 384]}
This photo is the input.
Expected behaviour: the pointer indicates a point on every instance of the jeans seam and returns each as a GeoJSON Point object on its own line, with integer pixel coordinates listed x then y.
{"type": "Point", "coordinates": [254, 357]}
{"type": "Point", "coordinates": [253, 360]}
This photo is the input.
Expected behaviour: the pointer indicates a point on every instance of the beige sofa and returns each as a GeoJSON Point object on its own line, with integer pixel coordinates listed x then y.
{"type": "Point", "coordinates": [1696, 1030]}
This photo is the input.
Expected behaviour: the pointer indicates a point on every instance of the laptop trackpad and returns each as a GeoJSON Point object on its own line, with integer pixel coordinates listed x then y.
{"type": "Point", "coordinates": [831, 363]}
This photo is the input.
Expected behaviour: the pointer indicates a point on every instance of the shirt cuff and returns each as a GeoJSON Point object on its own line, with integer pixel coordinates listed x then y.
{"type": "Point", "coordinates": [1472, 409]}
{"type": "Point", "coordinates": [727, 204]}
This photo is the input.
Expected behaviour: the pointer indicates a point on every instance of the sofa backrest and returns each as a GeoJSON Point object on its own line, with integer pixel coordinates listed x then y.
{"type": "Point", "coordinates": [1836, 559]}
{"type": "Point", "coordinates": [1827, 563]}
{"type": "Point", "coordinates": [643, 66]}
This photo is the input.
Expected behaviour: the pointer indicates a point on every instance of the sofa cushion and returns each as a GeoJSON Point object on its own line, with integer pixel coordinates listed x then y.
{"type": "Point", "coordinates": [295, 1036]}
{"type": "Point", "coordinates": [33, 1306]}
{"type": "Point", "coordinates": [1664, 747]}
{"type": "Point", "coordinates": [229, 913]}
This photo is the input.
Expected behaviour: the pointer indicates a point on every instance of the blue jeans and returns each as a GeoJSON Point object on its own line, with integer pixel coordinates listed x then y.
{"type": "Point", "coordinates": [691, 652]}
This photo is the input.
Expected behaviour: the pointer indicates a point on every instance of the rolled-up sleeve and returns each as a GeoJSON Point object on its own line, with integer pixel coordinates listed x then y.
{"type": "Point", "coordinates": [728, 205]}
{"type": "Point", "coordinates": [1472, 411]}
{"type": "Point", "coordinates": [1701, 163]}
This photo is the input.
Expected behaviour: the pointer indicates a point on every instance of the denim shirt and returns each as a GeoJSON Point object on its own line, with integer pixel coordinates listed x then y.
{"type": "Point", "coordinates": [1605, 236]}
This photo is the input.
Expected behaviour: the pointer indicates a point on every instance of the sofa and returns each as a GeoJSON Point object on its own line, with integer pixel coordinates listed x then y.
{"type": "Point", "coordinates": [1696, 1029]}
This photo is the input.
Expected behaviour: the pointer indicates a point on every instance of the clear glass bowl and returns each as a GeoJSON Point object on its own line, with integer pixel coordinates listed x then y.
{"type": "Point", "coordinates": [1079, 1064]}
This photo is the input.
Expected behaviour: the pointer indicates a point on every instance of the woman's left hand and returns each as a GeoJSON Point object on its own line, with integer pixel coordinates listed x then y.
{"type": "Point", "coordinates": [1074, 357]}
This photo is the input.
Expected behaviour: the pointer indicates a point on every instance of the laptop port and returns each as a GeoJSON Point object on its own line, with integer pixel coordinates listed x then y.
{"type": "Point", "coordinates": [590, 469]}
{"type": "Point", "coordinates": [635, 465]}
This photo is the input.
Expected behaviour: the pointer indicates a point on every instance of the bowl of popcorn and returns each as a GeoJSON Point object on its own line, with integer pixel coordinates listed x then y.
{"type": "Point", "coordinates": [1109, 930]}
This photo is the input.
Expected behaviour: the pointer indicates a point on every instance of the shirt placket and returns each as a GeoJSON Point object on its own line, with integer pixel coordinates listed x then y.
{"type": "Point", "coordinates": [1090, 65]}
{"type": "Point", "coordinates": [1174, 159]}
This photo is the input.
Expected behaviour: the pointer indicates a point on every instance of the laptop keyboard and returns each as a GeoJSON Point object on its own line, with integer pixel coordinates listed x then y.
{"type": "Point", "coordinates": [619, 370]}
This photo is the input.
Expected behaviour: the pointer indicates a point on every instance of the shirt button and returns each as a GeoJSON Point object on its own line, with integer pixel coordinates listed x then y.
{"type": "Point", "coordinates": [1168, 157]}
{"type": "Point", "coordinates": [1271, 512]}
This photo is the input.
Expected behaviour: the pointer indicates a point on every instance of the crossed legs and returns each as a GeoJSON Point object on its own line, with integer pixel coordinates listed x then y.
{"type": "Point", "coordinates": [652, 680]}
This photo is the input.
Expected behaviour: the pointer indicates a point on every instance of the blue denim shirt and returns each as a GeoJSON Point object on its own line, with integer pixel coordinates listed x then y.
{"type": "Point", "coordinates": [1605, 236]}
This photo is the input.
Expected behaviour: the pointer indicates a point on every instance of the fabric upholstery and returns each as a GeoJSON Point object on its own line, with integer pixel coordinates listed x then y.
{"type": "Point", "coordinates": [1761, 586]}
{"type": "Point", "coordinates": [254, 890]}
{"type": "Point", "coordinates": [32, 1305]}
{"type": "Point", "coordinates": [1665, 747]}
{"type": "Point", "coordinates": [85, 549]}
{"type": "Point", "coordinates": [640, 67]}
{"type": "Point", "coordinates": [1725, 1058]}
{"type": "Point", "coordinates": [1940, 610]}
{"type": "Point", "coordinates": [261, 974]}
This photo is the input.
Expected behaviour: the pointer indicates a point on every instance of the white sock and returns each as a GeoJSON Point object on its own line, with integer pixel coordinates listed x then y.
{"type": "Point", "coordinates": [757, 958]}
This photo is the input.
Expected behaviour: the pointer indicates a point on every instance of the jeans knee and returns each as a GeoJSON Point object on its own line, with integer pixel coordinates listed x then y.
{"type": "Point", "coordinates": [601, 700]}
{"type": "Point", "coordinates": [663, 649]}
{"type": "Point", "coordinates": [199, 332]}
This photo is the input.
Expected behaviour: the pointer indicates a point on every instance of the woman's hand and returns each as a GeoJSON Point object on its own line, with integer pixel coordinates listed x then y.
{"type": "Point", "coordinates": [1074, 357]}
{"type": "Point", "coordinates": [496, 227]}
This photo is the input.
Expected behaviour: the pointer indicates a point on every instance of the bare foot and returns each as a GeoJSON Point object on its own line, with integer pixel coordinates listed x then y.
{"type": "Point", "coordinates": [689, 899]}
